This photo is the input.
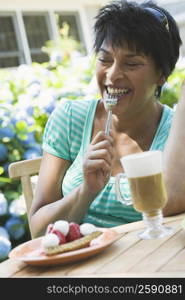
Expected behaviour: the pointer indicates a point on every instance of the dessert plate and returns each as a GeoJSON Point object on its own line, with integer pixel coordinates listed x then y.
{"type": "Point", "coordinates": [32, 253]}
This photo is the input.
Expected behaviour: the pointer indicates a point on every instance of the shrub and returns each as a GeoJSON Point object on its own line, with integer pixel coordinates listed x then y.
{"type": "Point", "coordinates": [171, 90]}
{"type": "Point", "coordinates": [28, 95]}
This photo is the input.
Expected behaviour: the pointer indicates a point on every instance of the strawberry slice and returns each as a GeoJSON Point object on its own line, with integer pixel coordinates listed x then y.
{"type": "Point", "coordinates": [61, 236]}
{"type": "Point", "coordinates": [74, 232]}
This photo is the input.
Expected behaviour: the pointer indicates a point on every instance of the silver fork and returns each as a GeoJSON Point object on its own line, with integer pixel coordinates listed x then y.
{"type": "Point", "coordinates": [109, 103]}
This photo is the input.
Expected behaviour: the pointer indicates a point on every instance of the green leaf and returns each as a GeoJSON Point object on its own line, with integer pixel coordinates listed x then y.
{"type": "Point", "coordinates": [11, 195]}
{"type": "Point", "coordinates": [21, 125]}
{"type": "Point", "coordinates": [1, 170]}
{"type": "Point", "coordinates": [5, 179]}
{"type": "Point", "coordinates": [22, 136]}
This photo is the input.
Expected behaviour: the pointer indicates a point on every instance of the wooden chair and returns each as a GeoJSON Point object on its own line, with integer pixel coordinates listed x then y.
{"type": "Point", "coordinates": [25, 170]}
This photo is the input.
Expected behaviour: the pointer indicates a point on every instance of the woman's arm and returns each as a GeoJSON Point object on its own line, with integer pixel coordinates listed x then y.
{"type": "Point", "coordinates": [174, 161]}
{"type": "Point", "coordinates": [49, 204]}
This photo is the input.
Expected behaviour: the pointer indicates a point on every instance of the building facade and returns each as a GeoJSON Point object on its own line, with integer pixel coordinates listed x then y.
{"type": "Point", "coordinates": [25, 26]}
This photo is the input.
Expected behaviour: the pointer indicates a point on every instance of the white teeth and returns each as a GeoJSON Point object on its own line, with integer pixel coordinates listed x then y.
{"type": "Point", "coordinates": [116, 91]}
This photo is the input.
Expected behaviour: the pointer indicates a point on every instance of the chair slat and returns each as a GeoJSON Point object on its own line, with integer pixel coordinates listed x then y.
{"type": "Point", "coordinates": [24, 168]}
{"type": "Point", "coordinates": [27, 191]}
{"type": "Point", "coordinates": [24, 171]}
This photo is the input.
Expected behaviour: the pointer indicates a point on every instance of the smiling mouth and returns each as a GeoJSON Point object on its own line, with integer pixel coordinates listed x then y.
{"type": "Point", "coordinates": [117, 92]}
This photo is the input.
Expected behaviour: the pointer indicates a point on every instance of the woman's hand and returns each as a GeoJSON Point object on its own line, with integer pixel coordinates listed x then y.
{"type": "Point", "coordinates": [97, 163]}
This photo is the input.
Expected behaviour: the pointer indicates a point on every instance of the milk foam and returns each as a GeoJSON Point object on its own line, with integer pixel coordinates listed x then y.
{"type": "Point", "coordinates": [142, 164]}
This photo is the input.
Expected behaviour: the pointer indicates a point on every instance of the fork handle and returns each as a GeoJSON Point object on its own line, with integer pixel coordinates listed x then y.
{"type": "Point", "coordinates": [108, 122]}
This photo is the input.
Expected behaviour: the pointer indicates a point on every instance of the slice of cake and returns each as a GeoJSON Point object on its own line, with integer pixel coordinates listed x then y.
{"type": "Point", "coordinates": [62, 237]}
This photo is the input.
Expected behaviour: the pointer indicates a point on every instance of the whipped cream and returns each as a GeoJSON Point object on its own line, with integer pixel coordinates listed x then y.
{"type": "Point", "coordinates": [50, 240]}
{"type": "Point", "coordinates": [62, 226]}
{"type": "Point", "coordinates": [87, 228]}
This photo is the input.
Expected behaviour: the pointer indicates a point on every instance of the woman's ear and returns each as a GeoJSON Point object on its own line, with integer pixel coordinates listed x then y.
{"type": "Point", "coordinates": [162, 80]}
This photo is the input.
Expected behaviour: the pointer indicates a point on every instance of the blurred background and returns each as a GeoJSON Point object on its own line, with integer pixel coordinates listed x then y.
{"type": "Point", "coordinates": [46, 56]}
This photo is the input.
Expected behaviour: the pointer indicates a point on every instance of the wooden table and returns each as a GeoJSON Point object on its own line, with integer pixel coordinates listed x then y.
{"type": "Point", "coordinates": [128, 257]}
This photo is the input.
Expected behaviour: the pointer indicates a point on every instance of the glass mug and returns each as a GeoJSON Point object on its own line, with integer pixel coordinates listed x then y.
{"type": "Point", "coordinates": [144, 173]}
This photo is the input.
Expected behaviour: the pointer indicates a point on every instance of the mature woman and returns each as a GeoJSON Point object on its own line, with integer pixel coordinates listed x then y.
{"type": "Point", "coordinates": [137, 47]}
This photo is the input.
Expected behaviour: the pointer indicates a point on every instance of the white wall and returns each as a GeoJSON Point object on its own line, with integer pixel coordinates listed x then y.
{"type": "Point", "coordinates": [47, 4]}
{"type": "Point", "coordinates": [87, 10]}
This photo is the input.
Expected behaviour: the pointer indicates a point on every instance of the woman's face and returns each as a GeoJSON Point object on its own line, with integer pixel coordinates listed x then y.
{"type": "Point", "coordinates": [129, 76]}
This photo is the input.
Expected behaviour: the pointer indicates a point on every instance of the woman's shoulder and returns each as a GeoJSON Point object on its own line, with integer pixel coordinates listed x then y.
{"type": "Point", "coordinates": [166, 119]}
{"type": "Point", "coordinates": [163, 129]}
{"type": "Point", "coordinates": [74, 107]}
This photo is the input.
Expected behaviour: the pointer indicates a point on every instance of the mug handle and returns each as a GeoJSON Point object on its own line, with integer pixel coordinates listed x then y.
{"type": "Point", "coordinates": [126, 201]}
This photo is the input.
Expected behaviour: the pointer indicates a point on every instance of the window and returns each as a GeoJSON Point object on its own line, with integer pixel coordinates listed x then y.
{"type": "Point", "coordinates": [23, 34]}
{"type": "Point", "coordinates": [10, 53]}
{"type": "Point", "coordinates": [71, 20]}
{"type": "Point", "coordinates": [37, 34]}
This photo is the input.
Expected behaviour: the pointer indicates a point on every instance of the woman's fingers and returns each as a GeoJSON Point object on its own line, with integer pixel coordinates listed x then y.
{"type": "Point", "coordinates": [97, 164]}
{"type": "Point", "coordinates": [101, 136]}
{"type": "Point", "coordinates": [102, 142]}
{"type": "Point", "coordinates": [100, 154]}
{"type": "Point", "coordinates": [103, 145]}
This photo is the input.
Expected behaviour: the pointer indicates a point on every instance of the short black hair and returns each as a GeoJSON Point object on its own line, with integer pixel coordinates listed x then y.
{"type": "Point", "coordinates": [132, 23]}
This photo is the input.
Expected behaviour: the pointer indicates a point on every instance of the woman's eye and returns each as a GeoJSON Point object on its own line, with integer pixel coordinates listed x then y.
{"type": "Point", "coordinates": [131, 64]}
{"type": "Point", "coordinates": [104, 60]}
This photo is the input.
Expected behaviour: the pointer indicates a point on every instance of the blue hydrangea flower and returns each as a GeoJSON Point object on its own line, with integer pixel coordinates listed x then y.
{"type": "Point", "coordinates": [56, 57]}
{"type": "Point", "coordinates": [30, 140]}
{"type": "Point", "coordinates": [34, 89]}
{"type": "Point", "coordinates": [4, 233]}
{"type": "Point", "coordinates": [17, 207]}
{"type": "Point", "coordinates": [3, 152]}
{"type": "Point", "coordinates": [22, 115]}
{"type": "Point", "coordinates": [50, 107]}
{"type": "Point", "coordinates": [30, 110]}
{"type": "Point", "coordinates": [6, 132]}
{"type": "Point", "coordinates": [3, 205]}
{"type": "Point", "coordinates": [5, 247]}
{"type": "Point", "coordinates": [15, 228]}
{"type": "Point", "coordinates": [5, 166]}
{"type": "Point", "coordinates": [32, 152]}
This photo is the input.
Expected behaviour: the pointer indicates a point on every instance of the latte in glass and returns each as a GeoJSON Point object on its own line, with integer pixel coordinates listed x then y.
{"type": "Point", "coordinates": [148, 193]}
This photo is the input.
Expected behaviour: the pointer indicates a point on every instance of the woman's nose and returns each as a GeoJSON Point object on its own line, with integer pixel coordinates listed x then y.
{"type": "Point", "coordinates": [115, 72]}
